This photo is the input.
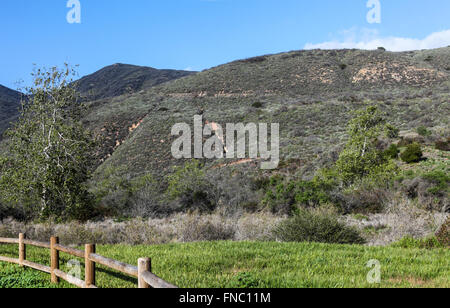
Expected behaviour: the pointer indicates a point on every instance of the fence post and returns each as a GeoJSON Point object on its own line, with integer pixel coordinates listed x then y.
{"type": "Point", "coordinates": [144, 265]}
{"type": "Point", "coordinates": [54, 258]}
{"type": "Point", "coordinates": [22, 249]}
{"type": "Point", "coordinates": [89, 265]}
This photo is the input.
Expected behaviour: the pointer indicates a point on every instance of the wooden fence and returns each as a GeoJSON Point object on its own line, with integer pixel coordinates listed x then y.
{"type": "Point", "coordinates": [143, 272]}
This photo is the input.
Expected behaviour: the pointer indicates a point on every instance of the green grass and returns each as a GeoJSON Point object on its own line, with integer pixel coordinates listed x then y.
{"type": "Point", "coordinates": [240, 264]}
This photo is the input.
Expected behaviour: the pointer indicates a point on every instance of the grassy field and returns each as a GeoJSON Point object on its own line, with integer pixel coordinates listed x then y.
{"type": "Point", "coordinates": [247, 264]}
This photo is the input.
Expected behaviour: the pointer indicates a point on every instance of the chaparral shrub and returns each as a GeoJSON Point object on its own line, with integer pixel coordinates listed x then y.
{"type": "Point", "coordinates": [412, 154]}
{"type": "Point", "coordinates": [316, 226]}
{"type": "Point", "coordinates": [392, 151]}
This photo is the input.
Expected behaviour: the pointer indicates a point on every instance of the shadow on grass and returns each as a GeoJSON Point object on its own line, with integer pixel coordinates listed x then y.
{"type": "Point", "coordinates": [117, 275]}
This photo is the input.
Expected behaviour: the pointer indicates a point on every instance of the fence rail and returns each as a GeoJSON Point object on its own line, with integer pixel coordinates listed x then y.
{"type": "Point", "coordinates": [143, 272]}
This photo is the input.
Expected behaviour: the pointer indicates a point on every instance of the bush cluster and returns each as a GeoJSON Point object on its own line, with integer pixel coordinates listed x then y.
{"type": "Point", "coordinates": [440, 181]}
{"type": "Point", "coordinates": [430, 189]}
{"type": "Point", "coordinates": [392, 152]}
{"type": "Point", "coordinates": [310, 226]}
{"type": "Point", "coordinates": [364, 198]}
{"type": "Point", "coordinates": [117, 193]}
{"type": "Point", "coordinates": [285, 196]}
{"type": "Point", "coordinates": [412, 154]}
{"type": "Point", "coordinates": [423, 131]}
{"type": "Point", "coordinates": [392, 131]}
{"type": "Point", "coordinates": [180, 227]}
{"type": "Point", "coordinates": [358, 180]}
{"type": "Point", "coordinates": [189, 186]}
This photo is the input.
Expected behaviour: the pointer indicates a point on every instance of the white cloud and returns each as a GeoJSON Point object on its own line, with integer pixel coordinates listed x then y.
{"type": "Point", "coordinates": [370, 39]}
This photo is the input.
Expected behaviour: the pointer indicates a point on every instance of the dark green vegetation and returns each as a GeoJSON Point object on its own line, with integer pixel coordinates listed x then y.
{"type": "Point", "coordinates": [307, 226]}
{"type": "Point", "coordinates": [246, 264]}
{"type": "Point", "coordinates": [427, 182]}
{"type": "Point", "coordinates": [412, 154]}
{"type": "Point", "coordinates": [392, 152]}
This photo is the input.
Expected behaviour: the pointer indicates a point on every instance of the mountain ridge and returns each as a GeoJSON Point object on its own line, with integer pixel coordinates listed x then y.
{"type": "Point", "coordinates": [310, 93]}
{"type": "Point", "coordinates": [119, 78]}
{"type": "Point", "coordinates": [106, 83]}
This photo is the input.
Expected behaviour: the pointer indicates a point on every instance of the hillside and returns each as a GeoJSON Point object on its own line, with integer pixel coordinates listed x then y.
{"type": "Point", "coordinates": [310, 93]}
{"type": "Point", "coordinates": [100, 87]}
{"type": "Point", "coordinates": [9, 106]}
{"type": "Point", "coordinates": [118, 79]}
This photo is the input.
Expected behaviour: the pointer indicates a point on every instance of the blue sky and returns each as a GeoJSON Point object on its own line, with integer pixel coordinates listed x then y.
{"type": "Point", "coordinates": [199, 34]}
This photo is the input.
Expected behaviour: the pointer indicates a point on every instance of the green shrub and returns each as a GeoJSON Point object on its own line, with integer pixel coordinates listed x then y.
{"type": "Point", "coordinates": [403, 143]}
{"type": "Point", "coordinates": [115, 191]}
{"type": "Point", "coordinates": [423, 131]}
{"type": "Point", "coordinates": [284, 196]}
{"type": "Point", "coordinates": [189, 186]}
{"type": "Point", "coordinates": [313, 226]}
{"type": "Point", "coordinates": [440, 179]}
{"type": "Point", "coordinates": [361, 199]}
{"type": "Point", "coordinates": [310, 192]}
{"type": "Point", "coordinates": [392, 152]}
{"type": "Point", "coordinates": [257, 105]}
{"type": "Point", "coordinates": [412, 154]}
{"type": "Point", "coordinates": [392, 131]}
